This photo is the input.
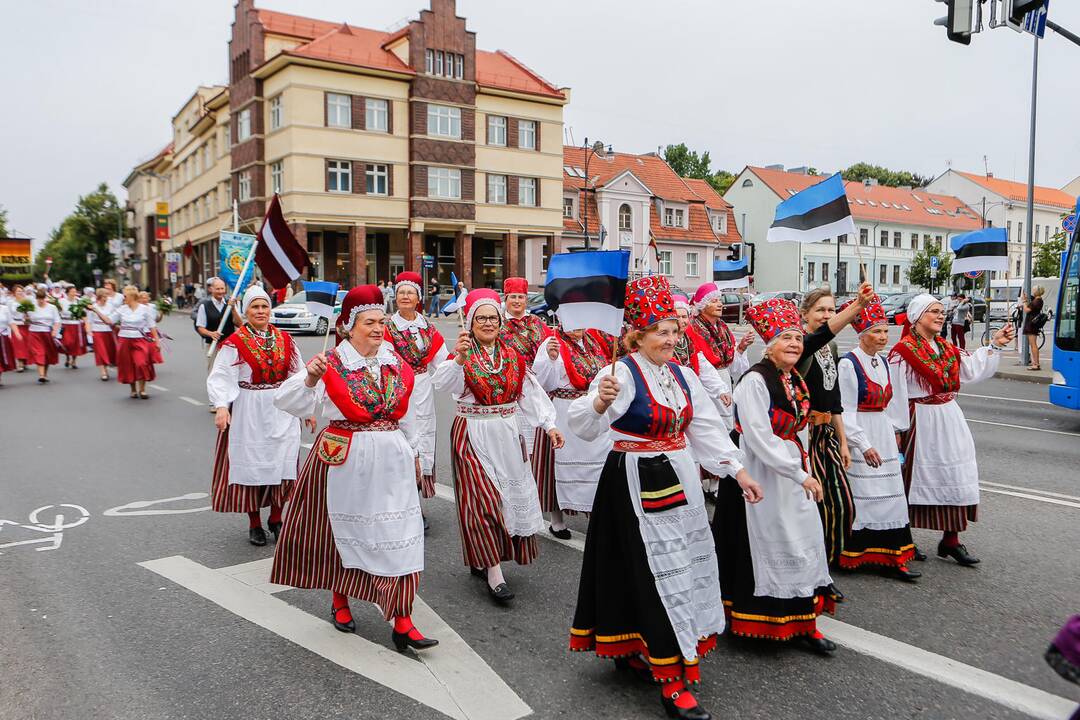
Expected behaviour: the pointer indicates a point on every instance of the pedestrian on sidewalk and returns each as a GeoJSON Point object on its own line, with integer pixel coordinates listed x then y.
{"type": "Point", "coordinates": [961, 320]}
{"type": "Point", "coordinates": [433, 302]}
{"type": "Point", "coordinates": [1034, 319]}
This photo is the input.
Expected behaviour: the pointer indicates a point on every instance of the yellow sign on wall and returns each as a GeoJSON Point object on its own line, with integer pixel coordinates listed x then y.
{"type": "Point", "coordinates": [161, 208]}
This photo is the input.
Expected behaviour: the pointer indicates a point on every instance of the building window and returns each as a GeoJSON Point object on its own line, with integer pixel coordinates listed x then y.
{"type": "Point", "coordinates": [376, 114]}
{"type": "Point", "coordinates": [1019, 232]}
{"type": "Point", "coordinates": [277, 174]}
{"type": "Point", "coordinates": [842, 239]}
{"type": "Point", "coordinates": [243, 125]}
{"type": "Point", "coordinates": [339, 176]}
{"type": "Point", "coordinates": [810, 272]}
{"type": "Point", "coordinates": [1018, 267]}
{"type": "Point", "coordinates": [914, 241]}
{"type": "Point", "coordinates": [377, 179]}
{"type": "Point", "coordinates": [527, 191]}
{"type": "Point", "coordinates": [673, 217]}
{"type": "Point", "coordinates": [496, 189]}
{"type": "Point", "coordinates": [626, 218]}
{"type": "Point", "coordinates": [1008, 230]}
{"type": "Point", "coordinates": [665, 262]}
{"type": "Point", "coordinates": [243, 189]}
{"type": "Point", "coordinates": [884, 238]}
{"type": "Point", "coordinates": [895, 274]}
{"type": "Point", "coordinates": [1036, 232]}
{"type": "Point", "coordinates": [824, 272]}
{"type": "Point", "coordinates": [198, 210]}
{"type": "Point", "coordinates": [429, 61]}
{"type": "Point", "coordinates": [826, 240]}
{"type": "Point", "coordinates": [747, 183]}
{"type": "Point", "coordinates": [275, 112]}
{"type": "Point", "coordinates": [691, 264]}
{"type": "Point", "coordinates": [897, 239]}
{"type": "Point", "coordinates": [937, 239]}
{"type": "Point", "coordinates": [720, 224]}
{"type": "Point", "coordinates": [526, 134]}
{"type": "Point", "coordinates": [444, 121]}
{"type": "Point", "coordinates": [568, 207]}
{"type": "Point", "coordinates": [883, 274]}
{"type": "Point", "coordinates": [864, 236]}
{"type": "Point", "coordinates": [338, 110]}
{"type": "Point", "coordinates": [444, 183]}
{"type": "Point", "coordinates": [496, 134]}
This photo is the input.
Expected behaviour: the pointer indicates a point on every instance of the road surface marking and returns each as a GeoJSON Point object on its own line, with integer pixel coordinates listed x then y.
{"type": "Point", "coordinates": [1007, 399]}
{"type": "Point", "coordinates": [1017, 696]}
{"type": "Point", "coordinates": [452, 679]}
{"type": "Point", "coordinates": [193, 401]}
{"type": "Point", "coordinates": [136, 507]}
{"type": "Point", "coordinates": [159, 388]}
{"type": "Point", "coordinates": [1036, 703]}
{"type": "Point", "coordinates": [1032, 490]}
{"type": "Point", "coordinates": [1025, 427]}
{"type": "Point", "coordinates": [1028, 496]}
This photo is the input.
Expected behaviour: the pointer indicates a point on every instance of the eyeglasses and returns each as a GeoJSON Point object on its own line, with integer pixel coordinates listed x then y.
{"type": "Point", "coordinates": [486, 319]}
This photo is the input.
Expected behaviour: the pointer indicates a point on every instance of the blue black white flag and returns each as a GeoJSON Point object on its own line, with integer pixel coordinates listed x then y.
{"type": "Point", "coordinates": [321, 297]}
{"type": "Point", "coordinates": [729, 274]}
{"type": "Point", "coordinates": [588, 289]}
{"type": "Point", "coordinates": [986, 249]}
{"type": "Point", "coordinates": [817, 213]}
{"type": "Point", "coordinates": [458, 301]}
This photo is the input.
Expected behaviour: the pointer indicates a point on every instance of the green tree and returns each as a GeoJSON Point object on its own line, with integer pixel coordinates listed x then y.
{"type": "Point", "coordinates": [721, 181]}
{"type": "Point", "coordinates": [689, 164]}
{"type": "Point", "coordinates": [1048, 256]}
{"type": "Point", "coordinates": [919, 271]}
{"type": "Point", "coordinates": [892, 178]}
{"type": "Point", "coordinates": [3, 221]}
{"type": "Point", "coordinates": [97, 218]}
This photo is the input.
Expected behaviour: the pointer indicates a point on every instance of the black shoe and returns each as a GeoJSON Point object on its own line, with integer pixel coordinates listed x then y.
{"type": "Point", "coordinates": [257, 536]}
{"type": "Point", "coordinates": [345, 627]}
{"type": "Point", "coordinates": [958, 553]}
{"type": "Point", "coordinates": [501, 594]}
{"type": "Point", "coordinates": [478, 573]}
{"type": "Point", "coordinates": [427, 523]}
{"type": "Point", "coordinates": [905, 573]}
{"type": "Point", "coordinates": [674, 711]}
{"type": "Point", "coordinates": [919, 555]}
{"type": "Point", "coordinates": [402, 641]}
{"type": "Point", "coordinates": [43, 380]}
{"type": "Point", "coordinates": [820, 645]}
{"type": "Point", "coordinates": [274, 528]}
{"type": "Point", "coordinates": [563, 534]}
{"type": "Point", "coordinates": [835, 594]}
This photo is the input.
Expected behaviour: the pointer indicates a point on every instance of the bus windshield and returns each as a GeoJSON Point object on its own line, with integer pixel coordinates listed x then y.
{"type": "Point", "coordinates": [1065, 336]}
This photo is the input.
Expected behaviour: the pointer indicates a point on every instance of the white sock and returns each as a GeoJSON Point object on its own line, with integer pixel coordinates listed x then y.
{"type": "Point", "coordinates": [558, 522]}
{"type": "Point", "coordinates": [495, 577]}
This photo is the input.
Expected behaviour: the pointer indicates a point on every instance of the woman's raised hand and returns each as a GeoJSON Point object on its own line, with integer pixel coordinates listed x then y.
{"type": "Point", "coordinates": [461, 347]}
{"type": "Point", "coordinates": [316, 368]}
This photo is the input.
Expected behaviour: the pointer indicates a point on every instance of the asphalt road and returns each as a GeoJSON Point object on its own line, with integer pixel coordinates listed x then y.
{"type": "Point", "coordinates": [88, 632]}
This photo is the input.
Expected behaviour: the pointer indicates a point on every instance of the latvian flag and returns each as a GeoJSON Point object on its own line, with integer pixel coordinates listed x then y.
{"type": "Point", "coordinates": [321, 297]}
{"type": "Point", "coordinates": [278, 254]}
{"type": "Point", "coordinates": [986, 249]}
{"type": "Point", "coordinates": [588, 289]}
{"type": "Point", "coordinates": [817, 213]}
{"type": "Point", "coordinates": [731, 274]}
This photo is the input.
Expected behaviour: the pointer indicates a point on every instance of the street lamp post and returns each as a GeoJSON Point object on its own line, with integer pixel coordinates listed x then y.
{"type": "Point", "coordinates": [597, 148]}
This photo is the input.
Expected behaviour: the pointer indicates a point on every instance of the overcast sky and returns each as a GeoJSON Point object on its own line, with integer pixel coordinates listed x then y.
{"type": "Point", "coordinates": [89, 88]}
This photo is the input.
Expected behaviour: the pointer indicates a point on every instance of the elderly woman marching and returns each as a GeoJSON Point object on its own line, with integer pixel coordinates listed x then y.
{"type": "Point", "coordinates": [354, 525]}
{"type": "Point", "coordinates": [498, 506]}
{"type": "Point", "coordinates": [565, 365]}
{"type": "Point", "coordinates": [773, 569]}
{"type": "Point", "coordinates": [422, 346]}
{"type": "Point", "coordinates": [137, 332]}
{"type": "Point", "coordinates": [649, 594]}
{"type": "Point", "coordinates": [43, 326]}
{"type": "Point", "coordinates": [692, 351]}
{"type": "Point", "coordinates": [525, 333]}
{"type": "Point", "coordinates": [72, 329]}
{"type": "Point", "coordinates": [940, 468]}
{"type": "Point", "coordinates": [881, 533]}
{"type": "Point", "coordinates": [101, 331]}
{"type": "Point", "coordinates": [257, 446]}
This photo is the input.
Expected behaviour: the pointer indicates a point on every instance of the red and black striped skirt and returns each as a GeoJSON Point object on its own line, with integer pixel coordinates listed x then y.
{"type": "Point", "coordinates": [306, 556]}
{"type": "Point", "coordinates": [241, 498]}
{"type": "Point", "coordinates": [73, 338]}
{"type": "Point", "coordinates": [543, 467]}
{"type": "Point", "coordinates": [484, 539]}
{"type": "Point", "coordinates": [946, 518]}
{"type": "Point", "coordinates": [133, 360]}
{"type": "Point", "coordinates": [43, 350]}
{"type": "Point", "coordinates": [104, 348]}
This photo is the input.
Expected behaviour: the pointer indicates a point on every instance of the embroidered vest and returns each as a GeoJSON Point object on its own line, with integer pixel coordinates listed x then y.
{"type": "Point", "coordinates": [359, 398]}
{"type": "Point", "coordinates": [872, 396]}
{"type": "Point", "coordinates": [647, 418]}
{"type": "Point", "coordinates": [405, 345]}
{"type": "Point", "coordinates": [498, 382]}
{"type": "Point", "coordinates": [267, 366]}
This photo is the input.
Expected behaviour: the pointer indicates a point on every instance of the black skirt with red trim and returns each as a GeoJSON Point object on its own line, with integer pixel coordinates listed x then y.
{"type": "Point", "coordinates": [750, 615]}
{"type": "Point", "coordinates": [886, 548]}
{"type": "Point", "coordinates": [619, 613]}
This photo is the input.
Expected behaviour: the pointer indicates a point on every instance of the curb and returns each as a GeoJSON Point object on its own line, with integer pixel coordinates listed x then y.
{"type": "Point", "coordinates": [1041, 378]}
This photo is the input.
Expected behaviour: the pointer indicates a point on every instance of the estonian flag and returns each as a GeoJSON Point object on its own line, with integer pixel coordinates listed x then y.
{"type": "Point", "coordinates": [819, 212]}
{"type": "Point", "coordinates": [731, 274]}
{"type": "Point", "coordinates": [986, 249]}
{"type": "Point", "coordinates": [588, 289]}
{"type": "Point", "coordinates": [321, 297]}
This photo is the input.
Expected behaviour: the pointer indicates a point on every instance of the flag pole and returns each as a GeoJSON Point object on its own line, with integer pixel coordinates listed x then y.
{"type": "Point", "coordinates": [326, 337]}
{"type": "Point", "coordinates": [236, 288]}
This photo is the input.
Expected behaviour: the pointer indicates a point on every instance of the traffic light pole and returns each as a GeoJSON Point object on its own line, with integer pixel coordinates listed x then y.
{"type": "Point", "coordinates": [1025, 351]}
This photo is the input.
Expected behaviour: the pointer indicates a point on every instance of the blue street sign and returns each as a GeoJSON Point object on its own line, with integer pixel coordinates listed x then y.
{"type": "Point", "coordinates": [1069, 224]}
{"type": "Point", "coordinates": [933, 262]}
{"type": "Point", "coordinates": [1035, 21]}
{"type": "Point", "coordinates": [974, 274]}
{"type": "Point", "coordinates": [429, 262]}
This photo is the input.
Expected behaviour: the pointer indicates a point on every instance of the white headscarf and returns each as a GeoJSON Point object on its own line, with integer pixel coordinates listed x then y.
{"type": "Point", "coordinates": [252, 294]}
{"type": "Point", "coordinates": [918, 305]}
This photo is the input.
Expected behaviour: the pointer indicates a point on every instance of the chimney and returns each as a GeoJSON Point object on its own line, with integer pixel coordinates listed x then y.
{"type": "Point", "coordinates": [989, 175]}
{"type": "Point", "coordinates": [802, 170]}
{"type": "Point", "coordinates": [870, 182]}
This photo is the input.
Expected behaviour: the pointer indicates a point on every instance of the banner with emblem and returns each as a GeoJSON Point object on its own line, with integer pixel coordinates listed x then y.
{"type": "Point", "coordinates": [233, 251]}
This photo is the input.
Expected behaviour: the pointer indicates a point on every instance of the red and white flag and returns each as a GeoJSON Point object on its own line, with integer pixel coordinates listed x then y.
{"type": "Point", "coordinates": [278, 254]}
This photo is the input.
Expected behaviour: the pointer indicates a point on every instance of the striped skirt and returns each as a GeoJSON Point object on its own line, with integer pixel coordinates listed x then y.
{"type": "Point", "coordinates": [484, 539]}
{"type": "Point", "coordinates": [306, 557]}
{"type": "Point", "coordinates": [945, 518]}
{"type": "Point", "coordinates": [543, 467]}
{"type": "Point", "coordinates": [241, 498]}
{"type": "Point", "coordinates": [837, 508]}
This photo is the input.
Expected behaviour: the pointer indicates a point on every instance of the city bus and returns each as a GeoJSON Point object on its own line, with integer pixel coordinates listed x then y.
{"type": "Point", "coordinates": [1065, 387]}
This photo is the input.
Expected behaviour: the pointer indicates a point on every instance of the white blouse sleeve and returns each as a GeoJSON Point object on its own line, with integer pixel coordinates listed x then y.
{"type": "Point", "coordinates": [712, 380]}
{"type": "Point", "coordinates": [551, 374]}
{"type": "Point", "coordinates": [449, 377]}
{"type": "Point", "coordinates": [296, 398]}
{"type": "Point", "coordinates": [708, 436]}
{"type": "Point", "coordinates": [979, 365]}
{"type": "Point", "coordinates": [752, 400]}
{"type": "Point", "coordinates": [583, 418]}
{"type": "Point", "coordinates": [897, 409]}
{"type": "Point", "coordinates": [535, 403]}
{"type": "Point", "coordinates": [849, 398]}
{"type": "Point", "coordinates": [409, 428]}
{"type": "Point", "coordinates": [739, 365]}
{"type": "Point", "coordinates": [222, 384]}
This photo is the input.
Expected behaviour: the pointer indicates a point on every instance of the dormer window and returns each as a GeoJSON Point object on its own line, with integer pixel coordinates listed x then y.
{"type": "Point", "coordinates": [720, 223]}
{"type": "Point", "coordinates": [626, 218]}
{"type": "Point", "coordinates": [673, 217]}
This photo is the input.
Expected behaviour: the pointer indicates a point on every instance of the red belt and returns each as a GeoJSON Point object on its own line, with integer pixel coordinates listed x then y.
{"type": "Point", "coordinates": [939, 399]}
{"type": "Point", "coordinates": [653, 445]}
{"type": "Point", "coordinates": [373, 426]}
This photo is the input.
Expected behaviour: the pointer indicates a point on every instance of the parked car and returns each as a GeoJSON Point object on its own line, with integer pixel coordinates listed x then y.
{"type": "Point", "coordinates": [895, 305]}
{"type": "Point", "coordinates": [536, 305]}
{"type": "Point", "coordinates": [795, 297]}
{"type": "Point", "coordinates": [295, 317]}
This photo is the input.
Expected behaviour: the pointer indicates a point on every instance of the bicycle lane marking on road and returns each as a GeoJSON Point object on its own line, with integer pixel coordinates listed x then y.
{"type": "Point", "coordinates": [1006, 399]}
{"type": "Point", "coordinates": [1030, 490]}
{"type": "Point", "coordinates": [452, 680]}
{"type": "Point", "coordinates": [1025, 427]}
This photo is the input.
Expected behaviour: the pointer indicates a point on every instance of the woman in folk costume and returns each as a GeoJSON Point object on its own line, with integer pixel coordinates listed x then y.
{"type": "Point", "coordinates": [354, 525]}
{"type": "Point", "coordinates": [72, 329]}
{"type": "Point", "coordinates": [101, 331]}
{"type": "Point", "coordinates": [881, 533]}
{"type": "Point", "coordinates": [8, 330]}
{"type": "Point", "coordinates": [137, 332]}
{"type": "Point", "coordinates": [20, 342]}
{"type": "Point", "coordinates": [649, 594]}
{"type": "Point", "coordinates": [497, 502]}
{"type": "Point", "coordinates": [155, 349]}
{"type": "Point", "coordinates": [773, 570]}
{"type": "Point", "coordinates": [565, 365]}
{"type": "Point", "coordinates": [43, 326]}
{"type": "Point", "coordinates": [692, 352]}
{"type": "Point", "coordinates": [422, 346]}
{"type": "Point", "coordinates": [940, 468]}
{"type": "Point", "coordinates": [524, 332]}
{"type": "Point", "coordinates": [257, 445]}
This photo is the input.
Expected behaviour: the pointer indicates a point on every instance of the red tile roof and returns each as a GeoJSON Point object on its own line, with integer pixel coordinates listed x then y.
{"type": "Point", "coordinates": [1013, 190]}
{"type": "Point", "coordinates": [364, 47]}
{"type": "Point", "coordinates": [708, 193]}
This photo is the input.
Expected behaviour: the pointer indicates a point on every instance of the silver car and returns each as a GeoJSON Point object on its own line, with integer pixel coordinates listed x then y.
{"type": "Point", "coordinates": [294, 316]}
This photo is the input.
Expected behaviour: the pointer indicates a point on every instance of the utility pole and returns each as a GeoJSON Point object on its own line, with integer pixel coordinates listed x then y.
{"type": "Point", "coordinates": [1025, 352]}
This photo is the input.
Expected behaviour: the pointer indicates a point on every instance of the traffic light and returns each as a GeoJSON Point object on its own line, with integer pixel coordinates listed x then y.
{"type": "Point", "coordinates": [958, 22]}
{"type": "Point", "coordinates": [1019, 8]}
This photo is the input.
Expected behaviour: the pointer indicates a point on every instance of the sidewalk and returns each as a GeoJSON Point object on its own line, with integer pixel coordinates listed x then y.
{"type": "Point", "coordinates": [1011, 369]}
